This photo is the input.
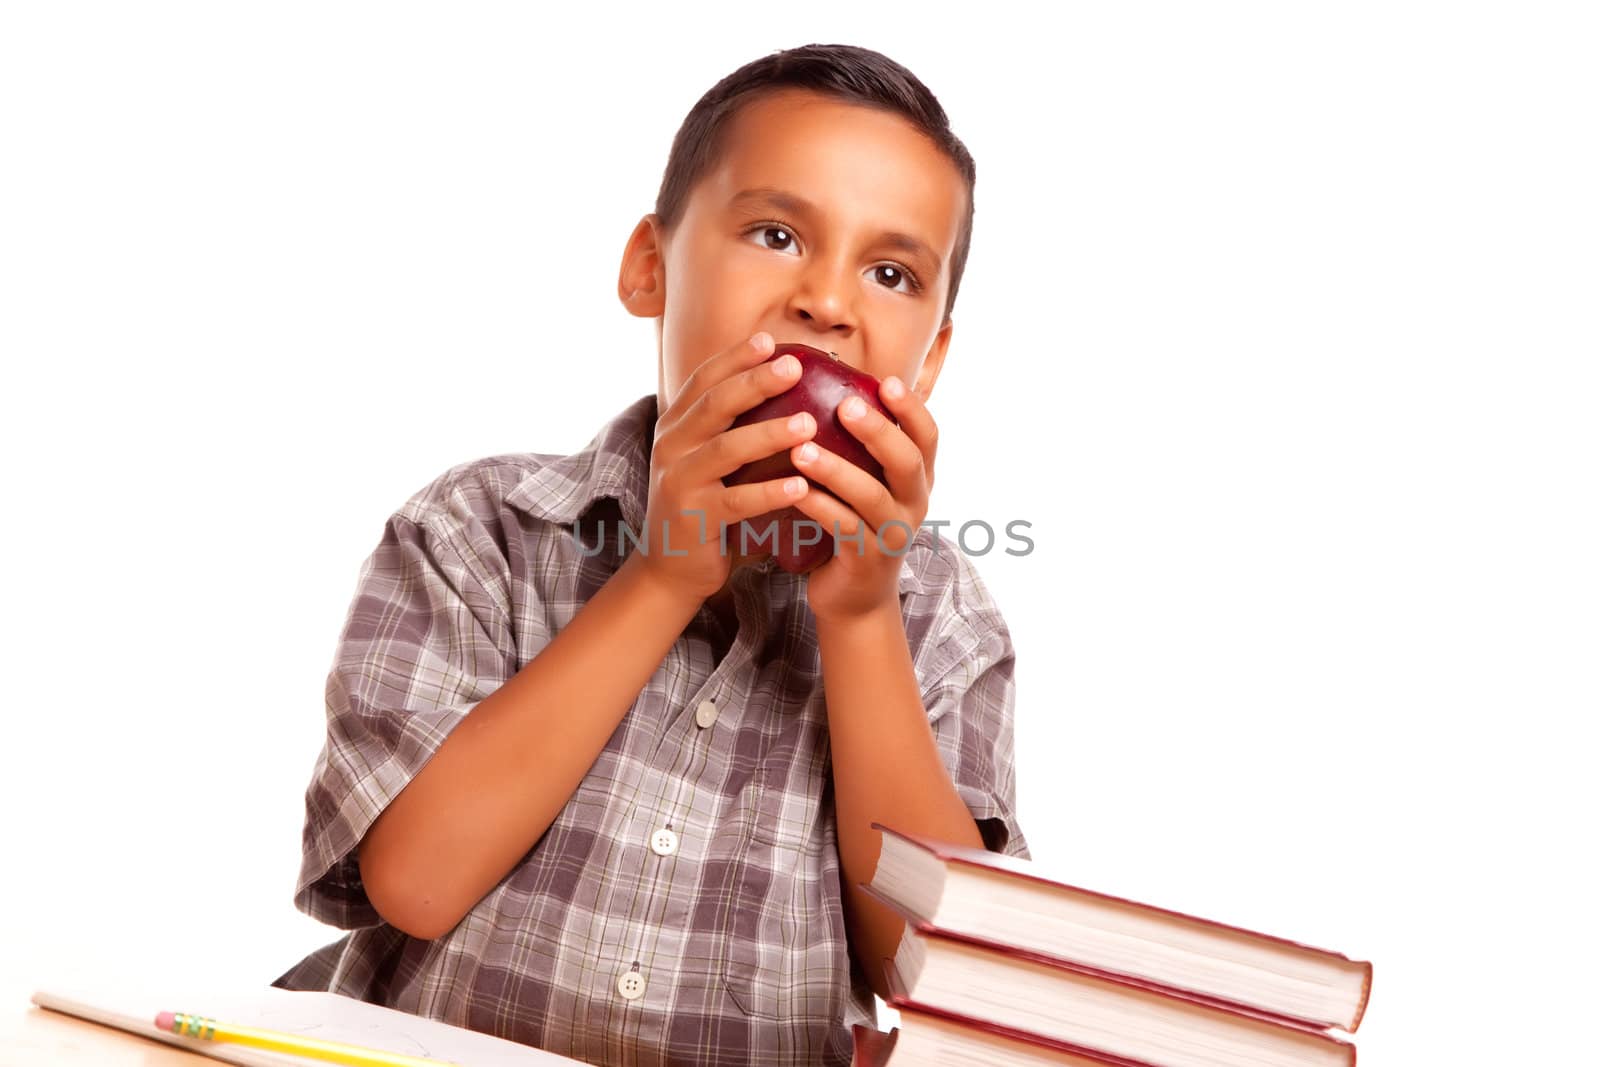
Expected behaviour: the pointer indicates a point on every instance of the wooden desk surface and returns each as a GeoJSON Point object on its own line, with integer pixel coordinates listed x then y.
{"type": "Point", "coordinates": [31, 1036]}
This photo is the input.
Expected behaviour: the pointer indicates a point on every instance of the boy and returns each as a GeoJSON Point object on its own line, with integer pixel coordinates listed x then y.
{"type": "Point", "coordinates": [612, 795]}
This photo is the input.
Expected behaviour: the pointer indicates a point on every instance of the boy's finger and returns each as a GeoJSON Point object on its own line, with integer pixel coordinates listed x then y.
{"type": "Point", "coordinates": [903, 462]}
{"type": "Point", "coordinates": [740, 502]}
{"type": "Point", "coordinates": [752, 351]}
{"type": "Point", "coordinates": [732, 449]}
{"type": "Point", "coordinates": [732, 397]}
{"type": "Point", "coordinates": [914, 417]}
{"type": "Point", "coordinates": [852, 535]}
{"type": "Point", "coordinates": [870, 498]}
{"type": "Point", "coordinates": [683, 426]}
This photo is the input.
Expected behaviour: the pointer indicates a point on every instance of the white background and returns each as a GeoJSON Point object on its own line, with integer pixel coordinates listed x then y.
{"type": "Point", "coordinates": [1279, 326]}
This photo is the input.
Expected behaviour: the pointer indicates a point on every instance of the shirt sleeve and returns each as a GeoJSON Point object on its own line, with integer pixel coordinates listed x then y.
{"type": "Point", "coordinates": [423, 643]}
{"type": "Point", "coordinates": [970, 709]}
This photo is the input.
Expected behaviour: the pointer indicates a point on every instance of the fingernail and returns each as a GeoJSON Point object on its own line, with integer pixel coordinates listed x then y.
{"type": "Point", "coordinates": [786, 367]}
{"type": "Point", "coordinates": [893, 388]}
{"type": "Point", "coordinates": [760, 340]}
{"type": "Point", "coordinates": [794, 486]}
{"type": "Point", "coordinates": [808, 452]}
{"type": "Point", "coordinates": [854, 408]}
{"type": "Point", "coordinates": [797, 423]}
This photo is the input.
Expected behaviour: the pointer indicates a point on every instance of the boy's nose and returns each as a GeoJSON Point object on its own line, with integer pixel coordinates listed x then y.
{"type": "Point", "coordinates": [822, 302]}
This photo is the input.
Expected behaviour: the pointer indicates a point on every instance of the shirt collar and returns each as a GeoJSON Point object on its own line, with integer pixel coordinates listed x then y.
{"type": "Point", "coordinates": [615, 464]}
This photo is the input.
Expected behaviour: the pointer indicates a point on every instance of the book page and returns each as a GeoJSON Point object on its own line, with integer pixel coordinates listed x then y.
{"type": "Point", "coordinates": [326, 1016]}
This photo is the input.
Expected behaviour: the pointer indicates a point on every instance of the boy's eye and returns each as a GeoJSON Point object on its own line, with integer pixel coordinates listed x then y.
{"type": "Point", "coordinates": [892, 276]}
{"type": "Point", "coordinates": [775, 237]}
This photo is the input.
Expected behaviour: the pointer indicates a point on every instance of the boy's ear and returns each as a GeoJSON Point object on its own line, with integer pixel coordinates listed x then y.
{"type": "Point", "coordinates": [642, 281]}
{"type": "Point", "coordinates": [933, 362]}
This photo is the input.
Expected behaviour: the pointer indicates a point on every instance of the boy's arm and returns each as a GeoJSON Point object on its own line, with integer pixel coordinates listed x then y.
{"type": "Point", "coordinates": [886, 769]}
{"type": "Point", "coordinates": [887, 766]}
{"type": "Point", "coordinates": [504, 772]}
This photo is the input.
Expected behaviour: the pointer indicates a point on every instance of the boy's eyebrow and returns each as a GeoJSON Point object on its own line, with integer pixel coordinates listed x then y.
{"type": "Point", "coordinates": [799, 205]}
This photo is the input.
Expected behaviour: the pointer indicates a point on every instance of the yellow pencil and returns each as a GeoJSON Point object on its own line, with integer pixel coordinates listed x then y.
{"type": "Point", "coordinates": [294, 1044]}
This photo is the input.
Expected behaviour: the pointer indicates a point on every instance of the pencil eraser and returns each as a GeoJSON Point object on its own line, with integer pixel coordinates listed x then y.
{"type": "Point", "coordinates": [164, 1021]}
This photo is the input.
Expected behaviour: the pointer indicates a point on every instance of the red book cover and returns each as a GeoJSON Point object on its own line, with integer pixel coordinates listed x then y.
{"type": "Point", "coordinates": [1012, 866]}
{"type": "Point", "coordinates": [1001, 1039]}
{"type": "Point", "coordinates": [929, 930]}
{"type": "Point", "coordinates": [872, 1047]}
{"type": "Point", "coordinates": [900, 1000]}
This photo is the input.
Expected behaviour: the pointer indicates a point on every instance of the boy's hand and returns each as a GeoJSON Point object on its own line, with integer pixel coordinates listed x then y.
{"type": "Point", "coordinates": [694, 449]}
{"type": "Point", "coordinates": [865, 576]}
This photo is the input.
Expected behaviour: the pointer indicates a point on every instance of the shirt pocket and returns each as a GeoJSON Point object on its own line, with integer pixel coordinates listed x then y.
{"type": "Point", "coordinates": [783, 817]}
{"type": "Point", "coordinates": [785, 947]}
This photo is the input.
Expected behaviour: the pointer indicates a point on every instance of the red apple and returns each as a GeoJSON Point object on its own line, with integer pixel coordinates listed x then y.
{"type": "Point", "coordinates": [825, 382]}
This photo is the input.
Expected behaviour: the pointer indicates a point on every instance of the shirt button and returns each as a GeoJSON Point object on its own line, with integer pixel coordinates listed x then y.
{"type": "Point", "coordinates": [631, 985]}
{"type": "Point", "coordinates": [705, 714]}
{"type": "Point", "coordinates": [664, 842]}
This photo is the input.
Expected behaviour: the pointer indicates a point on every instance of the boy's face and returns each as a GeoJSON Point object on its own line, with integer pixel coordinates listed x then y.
{"type": "Point", "coordinates": [816, 225]}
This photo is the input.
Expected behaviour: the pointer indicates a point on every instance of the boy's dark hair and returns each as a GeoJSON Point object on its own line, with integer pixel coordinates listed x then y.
{"type": "Point", "coordinates": [854, 75]}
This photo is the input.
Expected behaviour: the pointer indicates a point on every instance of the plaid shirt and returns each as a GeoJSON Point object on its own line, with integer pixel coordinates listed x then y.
{"type": "Point", "coordinates": [608, 942]}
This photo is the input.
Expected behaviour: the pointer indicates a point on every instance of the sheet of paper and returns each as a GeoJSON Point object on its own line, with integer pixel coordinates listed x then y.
{"type": "Point", "coordinates": [323, 1015]}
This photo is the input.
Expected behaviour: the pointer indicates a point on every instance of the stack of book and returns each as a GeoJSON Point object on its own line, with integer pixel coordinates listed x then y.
{"type": "Point", "coordinates": [1003, 965]}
